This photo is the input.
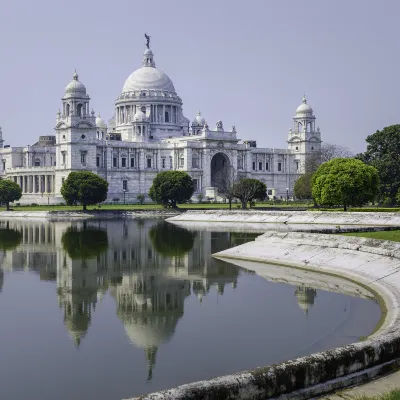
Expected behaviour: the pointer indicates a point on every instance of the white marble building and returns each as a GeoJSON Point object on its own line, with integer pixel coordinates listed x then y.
{"type": "Point", "coordinates": [148, 134]}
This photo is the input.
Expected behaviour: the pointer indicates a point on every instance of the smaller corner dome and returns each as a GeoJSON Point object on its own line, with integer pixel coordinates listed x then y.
{"type": "Point", "coordinates": [199, 120]}
{"type": "Point", "coordinates": [99, 122]}
{"type": "Point", "coordinates": [304, 108]}
{"type": "Point", "coordinates": [75, 87]}
{"type": "Point", "coordinates": [140, 116]}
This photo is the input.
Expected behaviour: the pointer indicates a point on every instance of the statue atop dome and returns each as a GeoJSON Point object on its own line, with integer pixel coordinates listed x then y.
{"type": "Point", "coordinates": [148, 40]}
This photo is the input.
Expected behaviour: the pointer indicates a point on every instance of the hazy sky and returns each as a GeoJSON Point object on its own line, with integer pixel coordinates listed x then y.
{"type": "Point", "coordinates": [247, 63]}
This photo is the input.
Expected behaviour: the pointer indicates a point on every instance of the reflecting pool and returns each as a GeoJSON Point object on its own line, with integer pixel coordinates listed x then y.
{"type": "Point", "coordinates": [111, 309]}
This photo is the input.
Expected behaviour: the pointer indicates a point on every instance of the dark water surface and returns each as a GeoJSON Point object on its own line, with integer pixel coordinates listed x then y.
{"type": "Point", "coordinates": [114, 309]}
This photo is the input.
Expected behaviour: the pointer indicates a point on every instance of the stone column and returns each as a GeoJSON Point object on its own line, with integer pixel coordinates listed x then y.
{"type": "Point", "coordinates": [46, 184]}
{"type": "Point", "coordinates": [163, 113]}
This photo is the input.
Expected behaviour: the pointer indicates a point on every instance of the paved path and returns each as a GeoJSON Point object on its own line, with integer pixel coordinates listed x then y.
{"type": "Point", "coordinates": [371, 389]}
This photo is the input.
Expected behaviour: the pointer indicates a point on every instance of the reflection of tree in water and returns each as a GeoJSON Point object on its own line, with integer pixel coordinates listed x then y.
{"type": "Point", "coordinates": [305, 297]}
{"type": "Point", "coordinates": [84, 243]}
{"type": "Point", "coordinates": [9, 239]}
{"type": "Point", "coordinates": [171, 240]}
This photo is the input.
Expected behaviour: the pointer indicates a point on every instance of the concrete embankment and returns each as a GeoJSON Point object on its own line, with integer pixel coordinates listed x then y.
{"type": "Point", "coordinates": [374, 264]}
{"type": "Point", "coordinates": [74, 215]}
{"type": "Point", "coordinates": [290, 217]}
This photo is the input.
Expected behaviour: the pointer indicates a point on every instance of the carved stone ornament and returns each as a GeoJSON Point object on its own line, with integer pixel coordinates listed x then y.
{"type": "Point", "coordinates": [220, 144]}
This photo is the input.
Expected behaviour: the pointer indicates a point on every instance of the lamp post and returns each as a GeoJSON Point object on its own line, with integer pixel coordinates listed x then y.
{"type": "Point", "coordinates": [287, 194]}
{"type": "Point", "coordinates": [124, 195]}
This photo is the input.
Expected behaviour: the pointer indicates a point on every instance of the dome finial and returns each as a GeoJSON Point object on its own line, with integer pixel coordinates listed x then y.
{"type": "Point", "coordinates": [75, 76]}
{"type": "Point", "coordinates": [304, 99]}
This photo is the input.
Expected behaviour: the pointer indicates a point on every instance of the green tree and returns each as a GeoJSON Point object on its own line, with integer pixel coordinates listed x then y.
{"type": "Point", "coordinates": [84, 243]}
{"type": "Point", "coordinates": [9, 192]}
{"type": "Point", "coordinates": [345, 181]}
{"type": "Point", "coordinates": [248, 189]}
{"type": "Point", "coordinates": [171, 187]}
{"type": "Point", "coordinates": [85, 188]}
{"type": "Point", "coordinates": [171, 240]}
{"type": "Point", "coordinates": [302, 187]}
{"type": "Point", "coordinates": [383, 153]}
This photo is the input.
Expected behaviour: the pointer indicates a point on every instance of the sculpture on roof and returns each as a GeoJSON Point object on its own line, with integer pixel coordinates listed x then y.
{"type": "Point", "coordinates": [148, 40]}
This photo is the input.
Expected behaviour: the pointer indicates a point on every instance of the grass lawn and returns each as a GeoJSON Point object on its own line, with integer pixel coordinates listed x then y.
{"type": "Point", "coordinates": [394, 236]}
{"type": "Point", "coordinates": [393, 395]}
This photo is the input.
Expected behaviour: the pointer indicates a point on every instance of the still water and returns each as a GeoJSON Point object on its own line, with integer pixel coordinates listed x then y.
{"type": "Point", "coordinates": [114, 309]}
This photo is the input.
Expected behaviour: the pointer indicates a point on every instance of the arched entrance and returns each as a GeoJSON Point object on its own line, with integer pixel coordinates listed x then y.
{"type": "Point", "coordinates": [219, 169]}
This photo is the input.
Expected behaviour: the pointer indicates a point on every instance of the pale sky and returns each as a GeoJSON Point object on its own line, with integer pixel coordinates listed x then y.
{"type": "Point", "coordinates": [246, 63]}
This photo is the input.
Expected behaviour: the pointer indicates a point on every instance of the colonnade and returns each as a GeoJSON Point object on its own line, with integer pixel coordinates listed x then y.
{"type": "Point", "coordinates": [156, 113]}
{"type": "Point", "coordinates": [35, 183]}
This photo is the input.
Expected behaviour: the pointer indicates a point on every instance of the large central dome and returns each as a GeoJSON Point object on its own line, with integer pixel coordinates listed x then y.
{"type": "Point", "coordinates": [148, 77]}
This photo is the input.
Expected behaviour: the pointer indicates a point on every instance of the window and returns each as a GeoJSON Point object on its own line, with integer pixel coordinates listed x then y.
{"type": "Point", "coordinates": [267, 166]}
{"type": "Point", "coordinates": [97, 161]}
{"type": "Point", "coordinates": [195, 185]}
{"type": "Point", "coordinates": [297, 165]}
{"type": "Point", "coordinates": [149, 163]}
{"type": "Point", "coordinates": [163, 162]}
{"type": "Point", "coordinates": [170, 162]}
{"type": "Point", "coordinates": [195, 162]}
{"type": "Point", "coordinates": [4, 165]}
{"type": "Point", "coordinates": [83, 158]}
{"type": "Point", "coordinates": [83, 137]}
{"type": "Point", "coordinates": [312, 148]}
{"type": "Point", "coordinates": [260, 166]}
{"type": "Point", "coordinates": [297, 148]}
{"type": "Point", "coordinates": [37, 163]}
{"type": "Point", "coordinates": [166, 116]}
{"type": "Point", "coordinates": [62, 181]}
{"type": "Point", "coordinates": [124, 184]}
{"type": "Point", "coordinates": [240, 163]}
{"type": "Point", "coordinates": [132, 162]}
{"type": "Point", "coordinates": [254, 165]}
{"type": "Point", "coordinates": [114, 162]}
{"type": "Point", "coordinates": [269, 192]}
{"type": "Point", "coordinates": [64, 157]}
{"type": "Point", "coordinates": [149, 253]}
{"type": "Point", "coordinates": [279, 166]}
{"type": "Point", "coordinates": [181, 162]}
{"type": "Point", "coordinates": [123, 161]}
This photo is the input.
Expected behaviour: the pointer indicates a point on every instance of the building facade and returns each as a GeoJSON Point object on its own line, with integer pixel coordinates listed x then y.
{"type": "Point", "coordinates": [148, 134]}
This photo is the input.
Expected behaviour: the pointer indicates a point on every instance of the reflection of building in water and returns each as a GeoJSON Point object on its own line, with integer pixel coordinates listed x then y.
{"type": "Point", "coordinates": [149, 307]}
{"type": "Point", "coordinates": [305, 297]}
{"type": "Point", "coordinates": [149, 286]}
{"type": "Point", "coordinates": [1, 279]}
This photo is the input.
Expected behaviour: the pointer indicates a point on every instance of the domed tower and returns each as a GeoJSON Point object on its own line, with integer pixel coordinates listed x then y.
{"type": "Point", "coordinates": [101, 128]}
{"type": "Point", "coordinates": [304, 140]}
{"type": "Point", "coordinates": [76, 133]}
{"type": "Point", "coordinates": [151, 91]}
{"type": "Point", "coordinates": [197, 124]}
{"type": "Point", "coordinates": [305, 297]}
{"type": "Point", "coordinates": [141, 125]}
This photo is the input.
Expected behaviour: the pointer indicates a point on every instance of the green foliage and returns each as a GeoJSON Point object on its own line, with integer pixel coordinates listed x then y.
{"type": "Point", "coordinates": [9, 192]}
{"type": "Point", "coordinates": [171, 187]}
{"type": "Point", "coordinates": [302, 187]}
{"type": "Point", "coordinates": [140, 198]}
{"type": "Point", "coordinates": [248, 189]}
{"type": "Point", "coordinates": [85, 188]}
{"type": "Point", "coordinates": [171, 240]}
{"type": "Point", "coordinates": [383, 153]}
{"type": "Point", "coordinates": [345, 181]}
{"type": "Point", "coordinates": [84, 243]}
{"type": "Point", "coordinates": [9, 239]}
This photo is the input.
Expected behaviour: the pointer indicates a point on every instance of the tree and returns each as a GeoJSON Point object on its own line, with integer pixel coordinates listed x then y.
{"type": "Point", "coordinates": [140, 198]}
{"type": "Point", "coordinates": [9, 192]}
{"type": "Point", "coordinates": [171, 187]}
{"type": "Point", "coordinates": [383, 153]}
{"type": "Point", "coordinates": [225, 180]}
{"type": "Point", "coordinates": [302, 187]}
{"type": "Point", "coordinates": [247, 190]}
{"type": "Point", "coordinates": [85, 188]}
{"type": "Point", "coordinates": [84, 243]}
{"type": "Point", "coordinates": [171, 240]}
{"type": "Point", "coordinates": [345, 181]}
{"type": "Point", "coordinates": [328, 152]}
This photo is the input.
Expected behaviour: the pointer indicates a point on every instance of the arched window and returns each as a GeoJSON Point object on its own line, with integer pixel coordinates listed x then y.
{"type": "Point", "coordinates": [67, 109]}
{"type": "Point", "coordinates": [144, 130]}
{"type": "Point", "coordinates": [166, 116]}
{"type": "Point", "coordinates": [79, 109]}
{"type": "Point", "coordinates": [139, 130]}
{"type": "Point", "coordinates": [300, 127]}
{"type": "Point", "coordinates": [143, 108]}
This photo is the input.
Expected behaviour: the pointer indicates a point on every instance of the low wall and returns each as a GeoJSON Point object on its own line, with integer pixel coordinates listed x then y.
{"type": "Point", "coordinates": [372, 263]}
{"type": "Point", "coordinates": [291, 217]}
